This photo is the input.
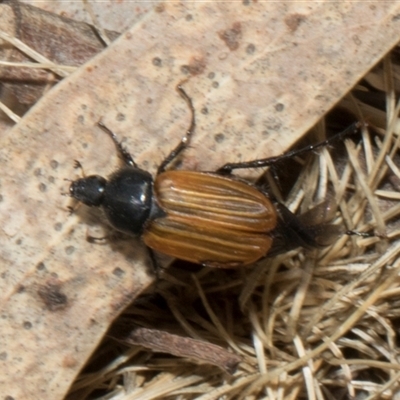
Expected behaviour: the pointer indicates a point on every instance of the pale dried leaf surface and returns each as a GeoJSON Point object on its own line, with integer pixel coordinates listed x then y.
{"type": "Point", "coordinates": [261, 74]}
{"type": "Point", "coordinates": [116, 16]}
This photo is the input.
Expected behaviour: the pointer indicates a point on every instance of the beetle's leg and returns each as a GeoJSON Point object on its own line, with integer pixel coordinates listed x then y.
{"type": "Point", "coordinates": [154, 262]}
{"type": "Point", "coordinates": [78, 165]}
{"type": "Point", "coordinates": [265, 162]}
{"type": "Point", "coordinates": [95, 239]}
{"type": "Point", "coordinates": [71, 210]}
{"type": "Point", "coordinates": [113, 235]}
{"type": "Point", "coordinates": [361, 234]}
{"type": "Point", "coordinates": [186, 139]}
{"type": "Point", "coordinates": [122, 151]}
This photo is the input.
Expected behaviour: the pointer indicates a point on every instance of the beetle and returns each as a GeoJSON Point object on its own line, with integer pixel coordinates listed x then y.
{"type": "Point", "coordinates": [209, 218]}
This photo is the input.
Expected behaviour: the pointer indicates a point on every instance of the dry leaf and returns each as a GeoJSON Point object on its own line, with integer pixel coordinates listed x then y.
{"type": "Point", "coordinates": [62, 41]}
{"type": "Point", "coordinates": [260, 74]}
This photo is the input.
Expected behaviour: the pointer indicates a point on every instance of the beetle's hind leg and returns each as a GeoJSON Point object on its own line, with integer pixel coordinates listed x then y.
{"type": "Point", "coordinates": [266, 162]}
{"type": "Point", "coordinates": [186, 139]}
{"type": "Point", "coordinates": [122, 151]}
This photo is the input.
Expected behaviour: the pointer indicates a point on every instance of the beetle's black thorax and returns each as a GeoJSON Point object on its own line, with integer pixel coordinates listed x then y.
{"type": "Point", "coordinates": [127, 200]}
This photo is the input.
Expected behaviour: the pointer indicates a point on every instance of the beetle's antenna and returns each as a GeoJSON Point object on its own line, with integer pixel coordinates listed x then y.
{"type": "Point", "coordinates": [186, 139]}
{"type": "Point", "coordinates": [122, 151]}
{"type": "Point", "coordinates": [266, 162]}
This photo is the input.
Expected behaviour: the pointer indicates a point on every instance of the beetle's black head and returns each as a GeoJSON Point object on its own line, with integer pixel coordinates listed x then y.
{"type": "Point", "coordinates": [126, 198]}
{"type": "Point", "coordinates": [89, 190]}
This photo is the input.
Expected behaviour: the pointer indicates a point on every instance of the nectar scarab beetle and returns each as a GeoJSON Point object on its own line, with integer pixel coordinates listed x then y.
{"type": "Point", "coordinates": [209, 218]}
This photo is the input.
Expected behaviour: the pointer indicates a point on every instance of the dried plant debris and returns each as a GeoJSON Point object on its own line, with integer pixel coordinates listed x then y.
{"type": "Point", "coordinates": [305, 325]}
{"type": "Point", "coordinates": [38, 48]}
{"type": "Point", "coordinates": [164, 342]}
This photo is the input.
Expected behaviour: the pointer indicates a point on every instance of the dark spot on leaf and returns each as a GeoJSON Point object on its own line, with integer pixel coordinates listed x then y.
{"type": "Point", "coordinates": [250, 49]}
{"type": "Point", "coordinates": [157, 62]}
{"type": "Point", "coordinates": [27, 325]}
{"type": "Point", "coordinates": [232, 36]}
{"type": "Point", "coordinates": [219, 137]}
{"type": "Point", "coordinates": [53, 164]}
{"type": "Point", "coordinates": [40, 266]}
{"type": "Point", "coordinates": [159, 8]}
{"type": "Point", "coordinates": [196, 66]}
{"type": "Point", "coordinates": [69, 249]}
{"type": "Point", "coordinates": [21, 289]}
{"type": "Point", "coordinates": [52, 296]}
{"type": "Point", "coordinates": [118, 272]}
{"type": "Point", "coordinates": [294, 20]}
{"type": "Point", "coordinates": [184, 69]}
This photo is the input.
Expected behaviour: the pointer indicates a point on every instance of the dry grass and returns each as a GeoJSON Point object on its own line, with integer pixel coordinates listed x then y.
{"type": "Point", "coordinates": [307, 324]}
